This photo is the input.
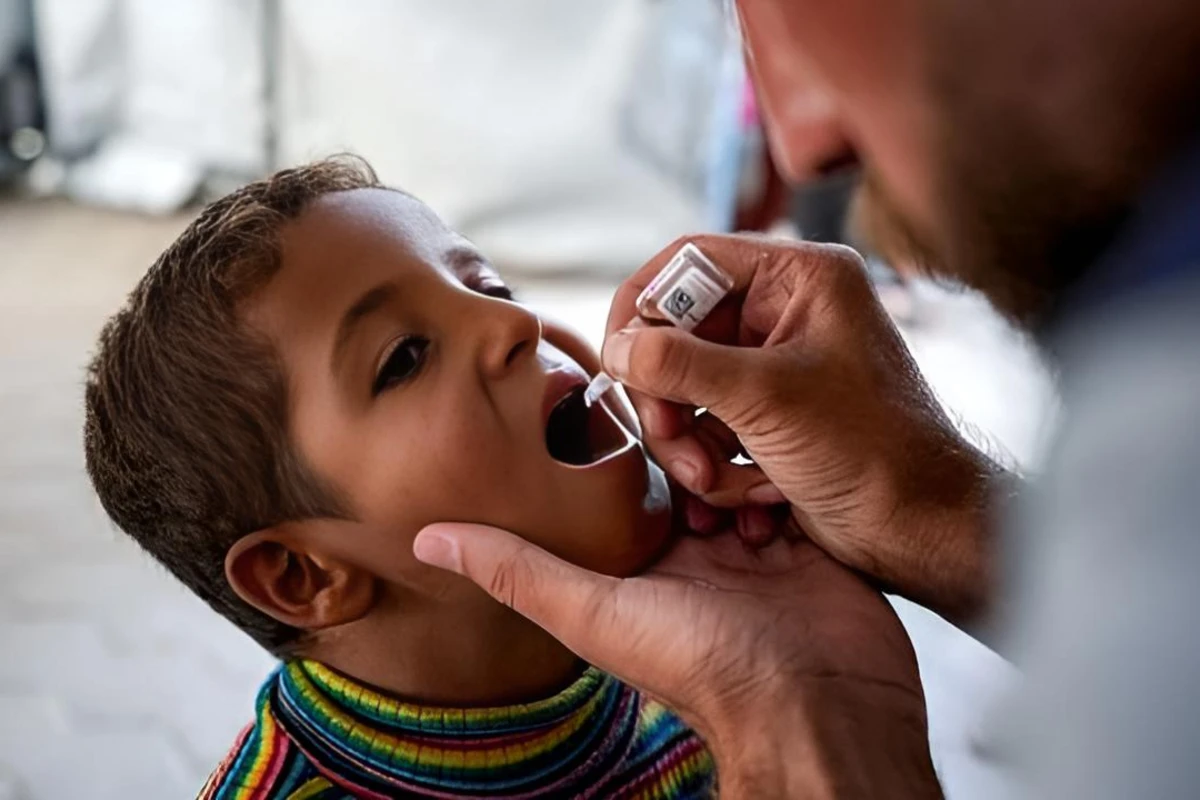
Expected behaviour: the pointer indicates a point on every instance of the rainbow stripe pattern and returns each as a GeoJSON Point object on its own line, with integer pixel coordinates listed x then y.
{"type": "Point", "coordinates": [319, 735]}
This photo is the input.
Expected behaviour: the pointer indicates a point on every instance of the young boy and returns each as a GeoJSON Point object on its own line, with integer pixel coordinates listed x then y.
{"type": "Point", "coordinates": [313, 372]}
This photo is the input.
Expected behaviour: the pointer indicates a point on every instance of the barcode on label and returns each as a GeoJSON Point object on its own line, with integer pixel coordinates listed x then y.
{"type": "Point", "coordinates": [691, 297]}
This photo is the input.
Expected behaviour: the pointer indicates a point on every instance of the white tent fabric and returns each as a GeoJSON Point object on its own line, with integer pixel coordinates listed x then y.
{"type": "Point", "coordinates": [186, 76]}
{"type": "Point", "coordinates": [13, 22]}
{"type": "Point", "coordinates": [148, 98]}
{"type": "Point", "coordinates": [557, 135]}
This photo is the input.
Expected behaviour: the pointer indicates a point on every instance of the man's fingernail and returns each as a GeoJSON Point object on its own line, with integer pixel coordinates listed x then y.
{"type": "Point", "coordinates": [700, 516]}
{"type": "Point", "coordinates": [616, 354]}
{"type": "Point", "coordinates": [686, 472]}
{"type": "Point", "coordinates": [765, 494]}
{"type": "Point", "coordinates": [438, 550]}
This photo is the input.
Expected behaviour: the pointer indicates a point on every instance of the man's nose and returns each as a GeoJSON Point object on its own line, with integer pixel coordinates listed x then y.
{"type": "Point", "coordinates": [808, 138]}
{"type": "Point", "coordinates": [508, 334]}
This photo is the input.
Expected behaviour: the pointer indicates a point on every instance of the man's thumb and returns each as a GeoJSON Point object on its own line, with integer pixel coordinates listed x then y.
{"type": "Point", "coordinates": [671, 364]}
{"type": "Point", "coordinates": [564, 599]}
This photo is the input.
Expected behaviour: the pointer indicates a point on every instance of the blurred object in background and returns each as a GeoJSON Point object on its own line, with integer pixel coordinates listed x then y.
{"type": "Point", "coordinates": [820, 210]}
{"type": "Point", "coordinates": [145, 99]}
{"type": "Point", "coordinates": [558, 136]}
{"type": "Point", "coordinates": [22, 138]}
{"type": "Point", "coordinates": [819, 207]}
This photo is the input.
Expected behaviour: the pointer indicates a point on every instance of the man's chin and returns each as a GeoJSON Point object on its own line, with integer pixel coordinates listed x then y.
{"type": "Point", "coordinates": [877, 226]}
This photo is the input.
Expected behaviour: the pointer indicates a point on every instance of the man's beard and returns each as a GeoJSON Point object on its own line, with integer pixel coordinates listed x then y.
{"type": "Point", "coordinates": [1017, 234]}
{"type": "Point", "coordinates": [1021, 204]}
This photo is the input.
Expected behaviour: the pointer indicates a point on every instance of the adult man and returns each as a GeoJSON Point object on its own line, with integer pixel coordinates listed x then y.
{"type": "Point", "coordinates": [1047, 155]}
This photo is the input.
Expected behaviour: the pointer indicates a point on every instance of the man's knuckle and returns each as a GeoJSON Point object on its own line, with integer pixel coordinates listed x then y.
{"type": "Point", "coordinates": [597, 611]}
{"type": "Point", "coordinates": [662, 362]}
{"type": "Point", "coordinates": [764, 394]}
{"type": "Point", "coordinates": [766, 383]}
{"type": "Point", "coordinates": [680, 241]}
{"type": "Point", "coordinates": [845, 256]}
{"type": "Point", "coordinates": [741, 404]}
{"type": "Point", "coordinates": [511, 580]}
{"type": "Point", "coordinates": [848, 270]}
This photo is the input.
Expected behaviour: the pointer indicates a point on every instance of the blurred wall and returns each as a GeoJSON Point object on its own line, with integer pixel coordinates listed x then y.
{"type": "Point", "coordinates": [555, 134]}
{"type": "Point", "coordinates": [184, 76]}
{"type": "Point", "coordinates": [14, 29]}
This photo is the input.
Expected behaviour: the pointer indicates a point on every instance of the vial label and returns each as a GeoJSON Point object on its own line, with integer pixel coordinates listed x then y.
{"type": "Point", "coordinates": [686, 289]}
{"type": "Point", "coordinates": [691, 298]}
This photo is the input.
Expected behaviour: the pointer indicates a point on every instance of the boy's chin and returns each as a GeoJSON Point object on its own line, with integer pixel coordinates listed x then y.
{"type": "Point", "coordinates": [614, 518]}
{"type": "Point", "coordinates": [643, 535]}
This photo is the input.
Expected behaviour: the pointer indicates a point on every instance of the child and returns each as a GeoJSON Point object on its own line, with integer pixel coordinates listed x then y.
{"type": "Point", "coordinates": [313, 372]}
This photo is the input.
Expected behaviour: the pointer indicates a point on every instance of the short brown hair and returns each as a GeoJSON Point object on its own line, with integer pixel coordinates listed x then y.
{"type": "Point", "coordinates": [186, 431]}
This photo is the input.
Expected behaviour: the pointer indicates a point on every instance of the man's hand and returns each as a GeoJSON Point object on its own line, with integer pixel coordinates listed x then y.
{"type": "Point", "coordinates": [802, 369]}
{"type": "Point", "coordinates": [798, 675]}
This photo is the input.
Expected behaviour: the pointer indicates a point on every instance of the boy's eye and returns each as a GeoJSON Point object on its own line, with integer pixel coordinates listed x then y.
{"type": "Point", "coordinates": [402, 363]}
{"type": "Point", "coordinates": [488, 285]}
{"type": "Point", "coordinates": [497, 290]}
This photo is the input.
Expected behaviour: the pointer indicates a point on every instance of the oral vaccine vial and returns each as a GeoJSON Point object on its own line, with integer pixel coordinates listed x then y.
{"type": "Point", "coordinates": [686, 290]}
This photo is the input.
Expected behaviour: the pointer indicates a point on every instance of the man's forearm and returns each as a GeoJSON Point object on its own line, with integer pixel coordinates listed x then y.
{"type": "Point", "coordinates": [844, 740]}
{"type": "Point", "coordinates": [946, 559]}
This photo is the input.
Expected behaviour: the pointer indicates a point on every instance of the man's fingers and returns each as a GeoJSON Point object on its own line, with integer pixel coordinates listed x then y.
{"type": "Point", "coordinates": [737, 485]}
{"type": "Point", "coordinates": [687, 461]}
{"type": "Point", "coordinates": [700, 518]}
{"type": "Point", "coordinates": [660, 419]}
{"type": "Point", "coordinates": [739, 256]}
{"type": "Point", "coordinates": [674, 365]}
{"type": "Point", "coordinates": [758, 526]}
{"type": "Point", "coordinates": [749, 259]}
{"type": "Point", "coordinates": [715, 435]}
{"type": "Point", "coordinates": [573, 604]}
{"type": "Point", "coordinates": [701, 463]}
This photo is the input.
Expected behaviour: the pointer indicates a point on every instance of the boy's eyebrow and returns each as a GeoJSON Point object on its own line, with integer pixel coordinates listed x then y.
{"type": "Point", "coordinates": [370, 302]}
{"type": "Point", "coordinates": [461, 256]}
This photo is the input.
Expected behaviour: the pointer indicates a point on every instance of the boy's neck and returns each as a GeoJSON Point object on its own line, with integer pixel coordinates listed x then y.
{"type": "Point", "coordinates": [501, 660]}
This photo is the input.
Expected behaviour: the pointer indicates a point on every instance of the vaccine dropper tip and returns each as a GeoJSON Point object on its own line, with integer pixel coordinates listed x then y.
{"type": "Point", "coordinates": [596, 389]}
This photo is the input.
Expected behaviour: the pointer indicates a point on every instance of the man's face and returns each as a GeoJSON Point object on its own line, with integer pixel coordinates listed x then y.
{"type": "Point", "coordinates": [424, 394]}
{"type": "Point", "coordinates": [965, 171]}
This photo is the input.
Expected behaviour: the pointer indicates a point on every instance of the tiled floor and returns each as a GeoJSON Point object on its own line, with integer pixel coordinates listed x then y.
{"type": "Point", "coordinates": [115, 683]}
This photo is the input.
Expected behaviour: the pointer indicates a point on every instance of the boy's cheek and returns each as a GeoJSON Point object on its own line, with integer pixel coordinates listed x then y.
{"type": "Point", "coordinates": [617, 525]}
{"type": "Point", "coordinates": [613, 521]}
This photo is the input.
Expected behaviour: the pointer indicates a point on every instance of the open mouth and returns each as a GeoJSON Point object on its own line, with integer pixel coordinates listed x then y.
{"type": "Point", "coordinates": [578, 435]}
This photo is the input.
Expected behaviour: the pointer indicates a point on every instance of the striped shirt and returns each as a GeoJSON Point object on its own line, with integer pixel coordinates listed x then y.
{"type": "Point", "coordinates": [319, 735]}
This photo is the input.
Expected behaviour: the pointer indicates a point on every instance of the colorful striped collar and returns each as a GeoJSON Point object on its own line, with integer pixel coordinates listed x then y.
{"type": "Point", "coordinates": [381, 745]}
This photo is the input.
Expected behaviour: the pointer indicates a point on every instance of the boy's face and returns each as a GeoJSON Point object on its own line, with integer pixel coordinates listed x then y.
{"type": "Point", "coordinates": [423, 396]}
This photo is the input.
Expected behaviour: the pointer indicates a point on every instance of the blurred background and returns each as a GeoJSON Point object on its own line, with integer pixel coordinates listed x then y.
{"type": "Point", "coordinates": [570, 140]}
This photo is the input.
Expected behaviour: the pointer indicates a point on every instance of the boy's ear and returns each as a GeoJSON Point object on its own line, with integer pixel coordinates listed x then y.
{"type": "Point", "coordinates": [279, 573]}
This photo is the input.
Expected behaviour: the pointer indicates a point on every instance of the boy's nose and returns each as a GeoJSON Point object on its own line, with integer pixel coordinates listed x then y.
{"type": "Point", "coordinates": [510, 334]}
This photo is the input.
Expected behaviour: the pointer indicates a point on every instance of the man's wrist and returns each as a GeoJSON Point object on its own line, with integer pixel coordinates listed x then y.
{"type": "Point", "coordinates": [827, 738]}
{"type": "Point", "coordinates": [948, 541]}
